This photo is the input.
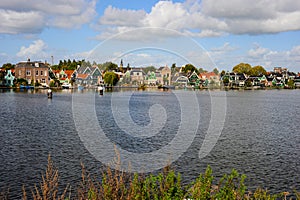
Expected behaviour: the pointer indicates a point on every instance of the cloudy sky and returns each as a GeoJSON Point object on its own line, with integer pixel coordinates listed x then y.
{"type": "Point", "coordinates": [207, 33]}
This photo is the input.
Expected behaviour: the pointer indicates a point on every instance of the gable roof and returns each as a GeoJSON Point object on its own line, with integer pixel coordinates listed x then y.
{"type": "Point", "coordinates": [82, 76]}
{"type": "Point", "coordinates": [207, 75]}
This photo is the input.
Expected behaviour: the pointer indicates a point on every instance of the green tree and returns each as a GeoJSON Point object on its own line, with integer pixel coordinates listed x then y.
{"type": "Point", "coordinates": [242, 68]}
{"type": "Point", "coordinates": [257, 70]}
{"type": "Point", "coordinates": [223, 73]}
{"type": "Point", "coordinates": [111, 78]}
{"type": "Point", "coordinates": [291, 83]}
{"type": "Point", "coordinates": [226, 81]}
{"type": "Point", "coordinates": [201, 70]}
{"type": "Point", "coordinates": [216, 71]}
{"type": "Point", "coordinates": [190, 68]}
{"type": "Point", "coordinates": [109, 66]}
{"type": "Point", "coordinates": [8, 66]}
{"type": "Point", "coordinates": [248, 83]}
{"type": "Point", "coordinates": [149, 69]}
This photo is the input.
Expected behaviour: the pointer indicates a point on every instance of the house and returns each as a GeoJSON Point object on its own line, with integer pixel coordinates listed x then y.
{"type": "Point", "coordinates": [280, 70]}
{"type": "Point", "coordinates": [210, 78]}
{"type": "Point", "coordinates": [179, 79]}
{"type": "Point", "coordinates": [9, 78]}
{"type": "Point", "coordinates": [33, 72]}
{"type": "Point", "coordinates": [88, 75]}
{"type": "Point", "coordinates": [269, 81]}
{"type": "Point", "coordinates": [82, 79]}
{"type": "Point", "coordinates": [194, 79]}
{"type": "Point", "coordinates": [165, 78]}
{"type": "Point", "coordinates": [151, 79]}
{"type": "Point", "coordinates": [297, 81]}
{"type": "Point", "coordinates": [137, 76]}
{"type": "Point", "coordinates": [64, 76]}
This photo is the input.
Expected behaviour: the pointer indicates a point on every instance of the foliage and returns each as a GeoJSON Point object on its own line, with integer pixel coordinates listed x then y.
{"type": "Point", "coordinates": [8, 66]}
{"type": "Point", "coordinates": [226, 81]}
{"type": "Point", "coordinates": [21, 81]}
{"type": "Point", "coordinates": [48, 188]}
{"type": "Point", "coordinates": [248, 83]}
{"type": "Point", "coordinates": [242, 68]}
{"type": "Point", "coordinates": [110, 78]}
{"type": "Point", "coordinates": [223, 73]}
{"type": "Point", "coordinates": [54, 83]}
{"type": "Point", "coordinates": [257, 70]}
{"type": "Point", "coordinates": [116, 184]}
{"type": "Point", "coordinates": [201, 70]}
{"type": "Point", "coordinates": [291, 84]}
{"type": "Point", "coordinates": [216, 71]}
{"type": "Point", "coordinates": [149, 69]}
{"type": "Point", "coordinates": [109, 66]}
{"type": "Point", "coordinates": [67, 64]}
{"type": "Point", "coordinates": [190, 68]}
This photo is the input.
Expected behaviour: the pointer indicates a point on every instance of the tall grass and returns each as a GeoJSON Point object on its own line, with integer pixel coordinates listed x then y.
{"type": "Point", "coordinates": [116, 184]}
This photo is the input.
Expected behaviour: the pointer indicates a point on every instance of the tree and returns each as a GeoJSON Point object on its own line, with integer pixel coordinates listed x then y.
{"type": "Point", "coordinates": [291, 84]}
{"type": "Point", "coordinates": [248, 83]}
{"type": "Point", "coordinates": [226, 81]}
{"type": "Point", "coordinates": [201, 70]}
{"type": "Point", "coordinates": [109, 66]}
{"type": "Point", "coordinates": [8, 66]}
{"type": "Point", "coordinates": [223, 73]}
{"type": "Point", "coordinates": [242, 68]}
{"type": "Point", "coordinates": [190, 68]}
{"type": "Point", "coordinates": [149, 69]}
{"type": "Point", "coordinates": [257, 70]}
{"type": "Point", "coordinates": [216, 71]}
{"type": "Point", "coordinates": [111, 78]}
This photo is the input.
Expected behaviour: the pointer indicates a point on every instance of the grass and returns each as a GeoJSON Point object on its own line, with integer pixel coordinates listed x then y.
{"type": "Point", "coordinates": [116, 184]}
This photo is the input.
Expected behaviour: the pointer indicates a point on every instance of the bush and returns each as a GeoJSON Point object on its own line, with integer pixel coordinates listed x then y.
{"type": "Point", "coordinates": [116, 184]}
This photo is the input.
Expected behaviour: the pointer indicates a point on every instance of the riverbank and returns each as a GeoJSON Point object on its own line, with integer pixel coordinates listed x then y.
{"type": "Point", "coordinates": [116, 184]}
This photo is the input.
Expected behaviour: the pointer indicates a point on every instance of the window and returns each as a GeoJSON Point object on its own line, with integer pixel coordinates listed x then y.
{"type": "Point", "coordinates": [45, 73]}
{"type": "Point", "coordinates": [37, 72]}
{"type": "Point", "coordinates": [41, 73]}
{"type": "Point", "coordinates": [43, 80]}
{"type": "Point", "coordinates": [28, 73]}
{"type": "Point", "coordinates": [20, 72]}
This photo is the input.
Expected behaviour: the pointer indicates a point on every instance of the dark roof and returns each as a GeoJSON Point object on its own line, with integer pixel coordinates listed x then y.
{"type": "Point", "coordinates": [137, 70]}
{"type": "Point", "coordinates": [32, 64]}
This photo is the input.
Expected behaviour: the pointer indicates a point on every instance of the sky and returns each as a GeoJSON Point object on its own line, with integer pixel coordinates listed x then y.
{"type": "Point", "coordinates": [206, 33]}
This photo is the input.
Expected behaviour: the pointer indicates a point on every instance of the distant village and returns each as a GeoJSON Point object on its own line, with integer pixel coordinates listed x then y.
{"type": "Point", "coordinates": [73, 74]}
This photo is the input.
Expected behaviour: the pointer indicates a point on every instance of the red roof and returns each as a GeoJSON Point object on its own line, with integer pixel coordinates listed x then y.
{"type": "Point", "coordinates": [207, 75]}
{"type": "Point", "coordinates": [69, 73]}
{"type": "Point", "coordinates": [56, 71]}
{"type": "Point", "coordinates": [82, 76]}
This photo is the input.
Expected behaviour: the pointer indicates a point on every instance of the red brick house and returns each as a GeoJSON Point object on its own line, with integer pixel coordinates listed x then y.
{"type": "Point", "coordinates": [33, 71]}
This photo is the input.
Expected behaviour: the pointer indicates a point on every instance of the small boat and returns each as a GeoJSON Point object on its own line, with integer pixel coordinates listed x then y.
{"type": "Point", "coordinates": [80, 87]}
{"type": "Point", "coordinates": [66, 86]}
{"type": "Point", "coordinates": [26, 87]}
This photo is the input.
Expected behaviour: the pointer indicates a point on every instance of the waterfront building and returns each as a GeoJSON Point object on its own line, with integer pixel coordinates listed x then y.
{"type": "Point", "coordinates": [33, 72]}
{"type": "Point", "coordinates": [165, 78]}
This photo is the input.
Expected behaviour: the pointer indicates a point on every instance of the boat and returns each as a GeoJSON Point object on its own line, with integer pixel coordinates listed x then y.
{"type": "Point", "coordinates": [26, 87]}
{"type": "Point", "coordinates": [66, 86]}
{"type": "Point", "coordinates": [80, 87]}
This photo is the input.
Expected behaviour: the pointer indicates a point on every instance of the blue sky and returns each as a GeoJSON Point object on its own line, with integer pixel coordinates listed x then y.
{"type": "Point", "coordinates": [205, 33]}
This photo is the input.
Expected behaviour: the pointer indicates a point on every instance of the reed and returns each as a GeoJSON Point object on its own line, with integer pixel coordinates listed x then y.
{"type": "Point", "coordinates": [116, 184]}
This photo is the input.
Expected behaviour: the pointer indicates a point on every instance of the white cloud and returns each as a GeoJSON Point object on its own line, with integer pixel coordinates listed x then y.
{"type": "Point", "coordinates": [207, 18]}
{"type": "Point", "coordinates": [122, 17]}
{"type": "Point", "coordinates": [13, 22]}
{"type": "Point", "coordinates": [35, 50]}
{"type": "Point", "coordinates": [33, 16]}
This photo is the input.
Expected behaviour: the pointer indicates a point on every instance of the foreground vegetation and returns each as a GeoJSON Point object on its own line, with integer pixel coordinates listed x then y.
{"type": "Point", "coordinates": [116, 184]}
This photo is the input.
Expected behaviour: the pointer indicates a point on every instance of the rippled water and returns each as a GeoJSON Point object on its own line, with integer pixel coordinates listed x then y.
{"type": "Point", "coordinates": [261, 136]}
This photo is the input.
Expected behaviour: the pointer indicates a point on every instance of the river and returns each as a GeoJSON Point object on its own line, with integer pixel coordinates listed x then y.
{"type": "Point", "coordinates": [260, 136]}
